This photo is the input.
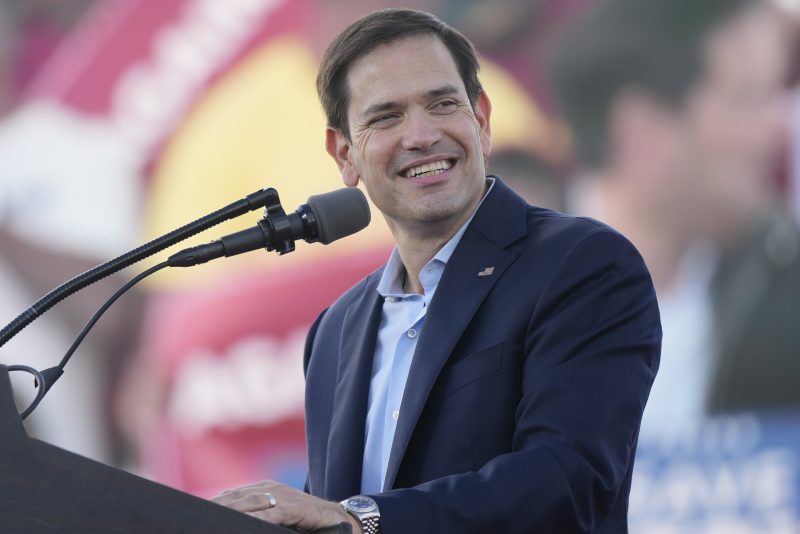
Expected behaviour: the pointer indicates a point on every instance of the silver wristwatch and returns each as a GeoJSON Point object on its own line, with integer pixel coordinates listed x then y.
{"type": "Point", "coordinates": [365, 509]}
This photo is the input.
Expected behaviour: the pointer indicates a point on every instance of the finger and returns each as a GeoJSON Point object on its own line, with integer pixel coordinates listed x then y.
{"type": "Point", "coordinates": [250, 502]}
{"type": "Point", "coordinates": [234, 494]}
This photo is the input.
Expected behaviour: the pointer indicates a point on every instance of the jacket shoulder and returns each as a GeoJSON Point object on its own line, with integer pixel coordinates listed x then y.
{"type": "Point", "coordinates": [544, 219]}
{"type": "Point", "coordinates": [548, 228]}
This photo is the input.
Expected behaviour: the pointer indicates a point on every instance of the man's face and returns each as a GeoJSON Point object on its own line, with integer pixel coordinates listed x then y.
{"type": "Point", "coordinates": [416, 142]}
{"type": "Point", "coordinates": [733, 120]}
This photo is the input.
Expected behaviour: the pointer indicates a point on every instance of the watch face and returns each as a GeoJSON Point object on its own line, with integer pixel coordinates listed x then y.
{"type": "Point", "coordinates": [361, 504]}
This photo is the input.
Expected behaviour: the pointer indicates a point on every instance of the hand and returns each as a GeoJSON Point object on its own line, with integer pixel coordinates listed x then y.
{"type": "Point", "coordinates": [292, 508]}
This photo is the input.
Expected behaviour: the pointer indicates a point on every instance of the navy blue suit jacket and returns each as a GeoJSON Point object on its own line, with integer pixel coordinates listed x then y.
{"type": "Point", "coordinates": [526, 390]}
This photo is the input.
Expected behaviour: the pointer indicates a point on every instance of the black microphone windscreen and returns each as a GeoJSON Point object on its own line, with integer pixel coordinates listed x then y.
{"type": "Point", "coordinates": [339, 213]}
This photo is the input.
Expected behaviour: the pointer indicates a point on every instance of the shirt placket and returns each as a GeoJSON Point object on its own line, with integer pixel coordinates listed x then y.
{"type": "Point", "coordinates": [406, 345]}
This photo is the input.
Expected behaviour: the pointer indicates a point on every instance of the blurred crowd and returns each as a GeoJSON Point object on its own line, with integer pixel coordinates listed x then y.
{"type": "Point", "coordinates": [680, 114]}
{"type": "Point", "coordinates": [676, 122]}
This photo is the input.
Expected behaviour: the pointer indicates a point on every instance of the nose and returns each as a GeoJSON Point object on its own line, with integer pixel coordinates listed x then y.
{"type": "Point", "coordinates": [420, 131]}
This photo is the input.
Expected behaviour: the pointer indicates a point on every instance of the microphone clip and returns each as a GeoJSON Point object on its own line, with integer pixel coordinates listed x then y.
{"type": "Point", "coordinates": [277, 224]}
{"type": "Point", "coordinates": [281, 230]}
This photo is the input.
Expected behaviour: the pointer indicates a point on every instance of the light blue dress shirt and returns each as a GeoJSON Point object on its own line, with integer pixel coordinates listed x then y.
{"type": "Point", "coordinates": [402, 320]}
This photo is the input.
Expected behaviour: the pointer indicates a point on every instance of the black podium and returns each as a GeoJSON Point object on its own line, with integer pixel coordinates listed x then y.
{"type": "Point", "coordinates": [46, 489]}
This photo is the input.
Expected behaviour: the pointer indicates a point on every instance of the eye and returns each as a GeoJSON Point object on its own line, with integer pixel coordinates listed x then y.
{"type": "Point", "coordinates": [383, 120]}
{"type": "Point", "coordinates": [445, 106]}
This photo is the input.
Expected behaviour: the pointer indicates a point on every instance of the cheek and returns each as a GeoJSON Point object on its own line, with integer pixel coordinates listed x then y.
{"type": "Point", "coordinates": [482, 136]}
{"type": "Point", "coordinates": [361, 139]}
{"type": "Point", "coordinates": [376, 150]}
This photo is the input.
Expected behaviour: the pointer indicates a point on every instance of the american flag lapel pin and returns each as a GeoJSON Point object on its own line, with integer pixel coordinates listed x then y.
{"type": "Point", "coordinates": [487, 271]}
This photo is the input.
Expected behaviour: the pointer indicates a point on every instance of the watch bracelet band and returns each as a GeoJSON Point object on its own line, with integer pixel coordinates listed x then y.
{"type": "Point", "coordinates": [371, 525]}
{"type": "Point", "coordinates": [370, 522]}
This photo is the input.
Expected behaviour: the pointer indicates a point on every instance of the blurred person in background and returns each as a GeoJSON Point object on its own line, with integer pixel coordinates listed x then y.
{"type": "Point", "coordinates": [676, 110]}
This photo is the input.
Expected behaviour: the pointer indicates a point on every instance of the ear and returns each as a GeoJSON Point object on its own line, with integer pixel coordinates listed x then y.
{"type": "Point", "coordinates": [338, 147]}
{"type": "Point", "coordinates": [483, 114]}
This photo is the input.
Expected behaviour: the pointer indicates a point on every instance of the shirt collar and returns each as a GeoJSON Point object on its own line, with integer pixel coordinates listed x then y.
{"type": "Point", "coordinates": [391, 282]}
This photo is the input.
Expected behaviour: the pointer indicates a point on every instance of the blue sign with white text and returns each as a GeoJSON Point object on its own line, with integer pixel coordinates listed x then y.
{"type": "Point", "coordinates": [730, 475]}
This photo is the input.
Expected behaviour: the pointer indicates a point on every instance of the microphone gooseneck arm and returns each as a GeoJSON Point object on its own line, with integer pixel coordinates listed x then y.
{"type": "Point", "coordinates": [325, 218]}
{"type": "Point", "coordinates": [251, 202]}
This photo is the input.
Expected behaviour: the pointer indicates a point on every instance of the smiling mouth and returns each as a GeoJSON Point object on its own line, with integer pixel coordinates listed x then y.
{"type": "Point", "coordinates": [428, 169]}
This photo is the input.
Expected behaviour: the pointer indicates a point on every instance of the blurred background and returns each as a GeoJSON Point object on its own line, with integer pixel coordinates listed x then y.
{"type": "Point", "coordinates": [675, 122]}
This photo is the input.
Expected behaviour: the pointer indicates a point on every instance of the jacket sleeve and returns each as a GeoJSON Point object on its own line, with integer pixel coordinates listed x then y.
{"type": "Point", "coordinates": [591, 353]}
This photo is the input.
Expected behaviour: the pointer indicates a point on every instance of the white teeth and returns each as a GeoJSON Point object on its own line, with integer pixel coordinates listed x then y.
{"type": "Point", "coordinates": [428, 169]}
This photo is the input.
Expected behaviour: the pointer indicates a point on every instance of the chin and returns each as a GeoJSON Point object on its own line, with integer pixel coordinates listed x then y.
{"type": "Point", "coordinates": [438, 212]}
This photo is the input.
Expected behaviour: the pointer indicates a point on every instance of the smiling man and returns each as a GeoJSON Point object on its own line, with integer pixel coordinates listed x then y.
{"type": "Point", "coordinates": [492, 376]}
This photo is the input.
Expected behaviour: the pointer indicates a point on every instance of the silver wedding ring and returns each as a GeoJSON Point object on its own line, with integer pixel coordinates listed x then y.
{"type": "Point", "coordinates": [273, 502]}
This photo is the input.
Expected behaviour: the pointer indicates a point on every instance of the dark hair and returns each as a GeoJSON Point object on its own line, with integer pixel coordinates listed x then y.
{"type": "Point", "coordinates": [655, 46]}
{"type": "Point", "coordinates": [381, 28]}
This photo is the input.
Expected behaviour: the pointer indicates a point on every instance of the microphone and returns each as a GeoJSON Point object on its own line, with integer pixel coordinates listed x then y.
{"type": "Point", "coordinates": [325, 218]}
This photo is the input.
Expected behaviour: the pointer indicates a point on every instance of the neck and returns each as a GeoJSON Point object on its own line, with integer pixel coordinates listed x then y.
{"type": "Point", "coordinates": [415, 253]}
{"type": "Point", "coordinates": [417, 244]}
{"type": "Point", "coordinates": [662, 241]}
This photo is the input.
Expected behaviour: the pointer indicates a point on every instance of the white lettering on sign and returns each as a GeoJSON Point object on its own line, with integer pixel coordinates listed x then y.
{"type": "Point", "coordinates": [151, 96]}
{"type": "Point", "coordinates": [257, 381]}
{"type": "Point", "coordinates": [729, 478]}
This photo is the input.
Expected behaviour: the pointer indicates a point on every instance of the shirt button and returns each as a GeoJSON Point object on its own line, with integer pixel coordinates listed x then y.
{"type": "Point", "coordinates": [411, 333]}
{"type": "Point", "coordinates": [396, 415]}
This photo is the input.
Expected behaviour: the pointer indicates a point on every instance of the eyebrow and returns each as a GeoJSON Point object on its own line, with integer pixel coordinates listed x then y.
{"type": "Point", "coordinates": [386, 106]}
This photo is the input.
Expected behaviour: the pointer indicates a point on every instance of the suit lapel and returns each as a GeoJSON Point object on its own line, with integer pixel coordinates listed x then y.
{"type": "Point", "coordinates": [499, 222]}
{"type": "Point", "coordinates": [346, 440]}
